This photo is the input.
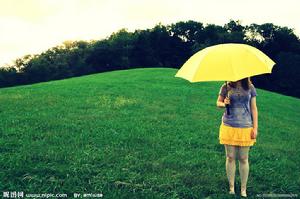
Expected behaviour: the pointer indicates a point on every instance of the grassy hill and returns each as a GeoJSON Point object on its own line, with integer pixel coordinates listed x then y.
{"type": "Point", "coordinates": [139, 133]}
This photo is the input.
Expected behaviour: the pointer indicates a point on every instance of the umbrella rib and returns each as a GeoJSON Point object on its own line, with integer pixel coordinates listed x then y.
{"type": "Point", "coordinates": [198, 68]}
{"type": "Point", "coordinates": [263, 61]}
{"type": "Point", "coordinates": [232, 68]}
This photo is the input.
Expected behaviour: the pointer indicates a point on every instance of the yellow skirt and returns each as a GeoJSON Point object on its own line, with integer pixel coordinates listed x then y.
{"type": "Point", "coordinates": [235, 136]}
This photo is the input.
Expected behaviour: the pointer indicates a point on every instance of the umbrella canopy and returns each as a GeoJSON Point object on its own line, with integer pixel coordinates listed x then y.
{"type": "Point", "coordinates": [225, 62]}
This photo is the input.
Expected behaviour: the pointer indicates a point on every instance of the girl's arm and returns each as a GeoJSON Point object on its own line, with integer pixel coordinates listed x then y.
{"type": "Point", "coordinates": [254, 113]}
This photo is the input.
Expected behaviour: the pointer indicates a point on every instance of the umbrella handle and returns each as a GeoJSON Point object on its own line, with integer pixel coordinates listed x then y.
{"type": "Point", "coordinates": [227, 109]}
{"type": "Point", "coordinates": [227, 105]}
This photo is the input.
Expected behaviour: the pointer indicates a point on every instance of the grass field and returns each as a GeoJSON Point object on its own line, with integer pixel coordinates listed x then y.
{"type": "Point", "coordinates": [139, 133]}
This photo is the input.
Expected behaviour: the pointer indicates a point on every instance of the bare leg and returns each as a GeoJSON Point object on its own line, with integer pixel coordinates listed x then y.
{"type": "Point", "coordinates": [230, 166]}
{"type": "Point", "coordinates": [243, 152]}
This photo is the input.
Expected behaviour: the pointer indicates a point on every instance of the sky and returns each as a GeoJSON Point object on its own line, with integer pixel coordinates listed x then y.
{"type": "Point", "coordinates": [33, 26]}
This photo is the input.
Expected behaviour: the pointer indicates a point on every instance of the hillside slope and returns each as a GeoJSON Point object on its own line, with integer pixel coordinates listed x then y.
{"type": "Point", "coordinates": [139, 133]}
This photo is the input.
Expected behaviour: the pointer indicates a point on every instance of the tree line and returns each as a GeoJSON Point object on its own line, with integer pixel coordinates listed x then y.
{"type": "Point", "coordinates": [162, 46]}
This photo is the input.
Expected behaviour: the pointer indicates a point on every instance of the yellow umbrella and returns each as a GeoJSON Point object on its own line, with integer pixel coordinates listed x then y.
{"type": "Point", "coordinates": [225, 62]}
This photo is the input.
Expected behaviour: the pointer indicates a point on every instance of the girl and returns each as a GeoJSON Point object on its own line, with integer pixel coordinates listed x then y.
{"type": "Point", "coordinates": [238, 129]}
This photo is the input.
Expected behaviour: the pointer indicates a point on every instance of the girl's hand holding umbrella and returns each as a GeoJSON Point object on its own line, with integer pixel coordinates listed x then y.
{"type": "Point", "coordinates": [226, 101]}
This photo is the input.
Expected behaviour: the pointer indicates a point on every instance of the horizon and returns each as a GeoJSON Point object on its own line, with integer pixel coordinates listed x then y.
{"type": "Point", "coordinates": [34, 26]}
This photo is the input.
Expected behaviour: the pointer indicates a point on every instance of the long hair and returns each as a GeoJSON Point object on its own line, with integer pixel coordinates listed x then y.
{"type": "Point", "coordinates": [246, 82]}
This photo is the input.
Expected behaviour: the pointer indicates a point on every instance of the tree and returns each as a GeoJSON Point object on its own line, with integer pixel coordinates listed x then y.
{"type": "Point", "coordinates": [8, 76]}
{"type": "Point", "coordinates": [162, 46]}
